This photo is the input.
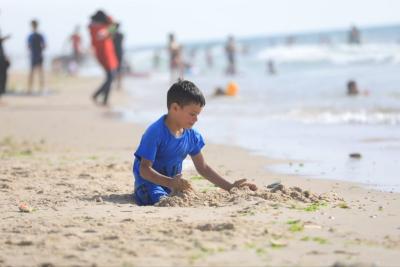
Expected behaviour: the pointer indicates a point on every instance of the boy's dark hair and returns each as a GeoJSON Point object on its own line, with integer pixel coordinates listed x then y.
{"type": "Point", "coordinates": [184, 93]}
{"type": "Point", "coordinates": [34, 23]}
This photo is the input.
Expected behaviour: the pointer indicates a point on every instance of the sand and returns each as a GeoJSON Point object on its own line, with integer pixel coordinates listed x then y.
{"type": "Point", "coordinates": [66, 199]}
{"type": "Point", "coordinates": [219, 198]}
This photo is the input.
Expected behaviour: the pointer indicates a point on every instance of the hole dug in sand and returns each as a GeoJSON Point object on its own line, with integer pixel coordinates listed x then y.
{"type": "Point", "coordinates": [218, 198]}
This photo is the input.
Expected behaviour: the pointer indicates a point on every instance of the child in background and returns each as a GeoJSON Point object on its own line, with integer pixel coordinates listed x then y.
{"type": "Point", "coordinates": [36, 45]}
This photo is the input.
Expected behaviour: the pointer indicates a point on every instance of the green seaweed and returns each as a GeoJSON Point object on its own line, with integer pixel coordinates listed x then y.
{"type": "Point", "coordinates": [344, 205]}
{"type": "Point", "coordinates": [295, 226]}
{"type": "Point", "coordinates": [315, 206]}
{"type": "Point", "coordinates": [196, 178]}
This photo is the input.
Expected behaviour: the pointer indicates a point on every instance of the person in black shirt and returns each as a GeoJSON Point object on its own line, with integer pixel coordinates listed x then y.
{"type": "Point", "coordinates": [4, 64]}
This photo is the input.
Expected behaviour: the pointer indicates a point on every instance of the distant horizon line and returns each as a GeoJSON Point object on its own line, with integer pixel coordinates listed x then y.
{"type": "Point", "coordinates": [260, 36]}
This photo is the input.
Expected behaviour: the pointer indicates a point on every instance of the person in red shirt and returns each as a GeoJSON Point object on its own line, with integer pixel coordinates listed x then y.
{"type": "Point", "coordinates": [76, 42]}
{"type": "Point", "coordinates": [101, 28]}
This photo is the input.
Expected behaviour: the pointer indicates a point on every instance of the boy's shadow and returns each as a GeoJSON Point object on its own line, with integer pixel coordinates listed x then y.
{"type": "Point", "coordinates": [116, 198]}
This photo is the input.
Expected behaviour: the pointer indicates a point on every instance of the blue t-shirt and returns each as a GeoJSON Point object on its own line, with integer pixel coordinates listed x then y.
{"type": "Point", "coordinates": [165, 150]}
{"type": "Point", "coordinates": [36, 44]}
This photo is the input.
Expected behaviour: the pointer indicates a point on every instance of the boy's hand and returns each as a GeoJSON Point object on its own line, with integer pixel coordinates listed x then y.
{"type": "Point", "coordinates": [243, 182]}
{"type": "Point", "coordinates": [180, 184]}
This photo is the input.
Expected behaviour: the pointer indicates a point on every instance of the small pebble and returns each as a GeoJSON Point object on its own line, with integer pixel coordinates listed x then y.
{"type": "Point", "coordinates": [355, 155]}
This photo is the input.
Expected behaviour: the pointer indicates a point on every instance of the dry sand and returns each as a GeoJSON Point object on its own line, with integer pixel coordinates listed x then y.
{"type": "Point", "coordinates": [70, 163]}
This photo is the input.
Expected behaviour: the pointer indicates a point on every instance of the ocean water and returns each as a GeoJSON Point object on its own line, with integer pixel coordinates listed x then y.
{"type": "Point", "coordinates": [302, 113]}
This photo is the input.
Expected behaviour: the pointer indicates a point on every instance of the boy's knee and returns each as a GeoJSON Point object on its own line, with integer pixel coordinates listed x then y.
{"type": "Point", "coordinates": [148, 195]}
{"type": "Point", "coordinates": [157, 196]}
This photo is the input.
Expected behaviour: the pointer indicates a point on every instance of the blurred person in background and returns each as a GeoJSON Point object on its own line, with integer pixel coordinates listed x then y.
{"type": "Point", "coordinates": [209, 58]}
{"type": "Point", "coordinates": [4, 64]}
{"type": "Point", "coordinates": [175, 58]}
{"type": "Point", "coordinates": [230, 51]}
{"type": "Point", "coordinates": [101, 30]}
{"type": "Point", "coordinates": [353, 90]}
{"type": "Point", "coordinates": [271, 70]}
{"type": "Point", "coordinates": [354, 36]}
{"type": "Point", "coordinates": [156, 60]}
{"type": "Point", "coordinates": [76, 41]}
{"type": "Point", "coordinates": [118, 38]}
{"type": "Point", "coordinates": [36, 45]}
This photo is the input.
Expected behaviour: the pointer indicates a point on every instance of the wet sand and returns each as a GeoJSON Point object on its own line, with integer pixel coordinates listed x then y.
{"type": "Point", "coordinates": [70, 162]}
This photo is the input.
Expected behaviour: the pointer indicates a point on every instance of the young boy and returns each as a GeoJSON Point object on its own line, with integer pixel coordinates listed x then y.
{"type": "Point", "coordinates": [167, 142]}
{"type": "Point", "coordinates": [36, 45]}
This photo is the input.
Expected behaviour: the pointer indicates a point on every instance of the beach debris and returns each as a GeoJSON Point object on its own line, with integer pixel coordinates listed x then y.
{"type": "Point", "coordinates": [295, 226]}
{"type": "Point", "coordinates": [276, 243]}
{"type": "Point", "coordinates": [99, 199]}
{"type": "Point", "coordinates": [278, 187]}
{"type": "Point", "coordinates": [355, 155]}
{"type": "Point", "coordinates": [311, 225]}
{"type": "Point", "coordinates": [23, 207]}
{"type": "Point", "coordinates": [343, 205]}
{"type": "Point", "coordinates": [315, 206]}
{"type": "Point", "coordinates": [273, 185]}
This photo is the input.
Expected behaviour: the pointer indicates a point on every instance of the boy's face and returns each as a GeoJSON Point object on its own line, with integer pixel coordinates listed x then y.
{"type": "Point", "coordinates": [186, 116]}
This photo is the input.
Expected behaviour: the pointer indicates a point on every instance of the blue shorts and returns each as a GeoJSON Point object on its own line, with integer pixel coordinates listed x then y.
{"type": "Point", "coordinates": [36, 60]}
{"type": "Point", "coordinates": [149, 194]}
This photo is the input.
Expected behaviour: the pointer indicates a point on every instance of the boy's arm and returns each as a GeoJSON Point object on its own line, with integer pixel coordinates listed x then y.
{"type": "Point", "coordinates": [176, 183]}
{"type": "Point", "coordinates": [208, 173]}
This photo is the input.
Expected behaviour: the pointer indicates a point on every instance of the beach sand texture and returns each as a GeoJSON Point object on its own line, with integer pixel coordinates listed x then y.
{"type": "Point", "coordinates": [66, 199]}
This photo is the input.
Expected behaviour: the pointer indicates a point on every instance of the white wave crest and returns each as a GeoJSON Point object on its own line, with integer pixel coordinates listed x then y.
{"type": "Point", "coordinates": [347, 117]}
{"type": "Point", "coordinates": [335, 54]}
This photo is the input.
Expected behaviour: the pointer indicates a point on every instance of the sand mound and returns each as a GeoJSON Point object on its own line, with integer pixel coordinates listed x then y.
{"type": "Point", "coordinates": [216, 198]}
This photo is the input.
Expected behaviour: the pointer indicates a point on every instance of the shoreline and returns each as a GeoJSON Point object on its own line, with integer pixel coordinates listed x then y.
{"type": "Point", "coordinates": [70, 161]}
